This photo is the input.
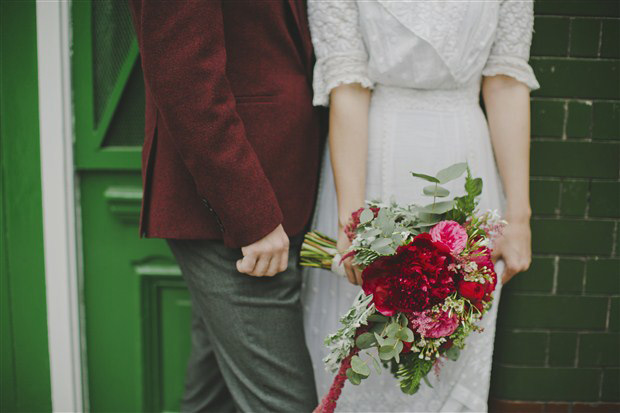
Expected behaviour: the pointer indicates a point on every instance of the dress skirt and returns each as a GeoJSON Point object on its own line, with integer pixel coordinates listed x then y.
{"type": "Point", "coordinates": [421, 131]}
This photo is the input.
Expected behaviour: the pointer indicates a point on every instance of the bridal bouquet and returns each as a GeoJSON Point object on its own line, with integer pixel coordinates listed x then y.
{"type": "Point", "coordinates": [427, 279]}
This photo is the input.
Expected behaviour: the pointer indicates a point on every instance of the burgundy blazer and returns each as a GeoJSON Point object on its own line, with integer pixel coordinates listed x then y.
{"type": "Point", "coordinates": [232, 139]}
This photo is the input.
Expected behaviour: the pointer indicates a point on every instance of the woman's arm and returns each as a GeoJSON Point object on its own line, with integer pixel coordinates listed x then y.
{"type": "Point", "coordinates": [348, 145]}
{"type": "Point", "coordinates": [507, 103]}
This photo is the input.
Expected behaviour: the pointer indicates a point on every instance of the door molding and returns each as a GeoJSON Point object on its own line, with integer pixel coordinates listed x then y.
{"type": "Point", "coordinates": [60, 226]}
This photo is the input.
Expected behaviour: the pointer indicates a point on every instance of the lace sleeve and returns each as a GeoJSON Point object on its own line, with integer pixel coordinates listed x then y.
{"type": "Point", "coordinates": [511, 48]}
{"type": "Point", "coordinates": [339, 48]}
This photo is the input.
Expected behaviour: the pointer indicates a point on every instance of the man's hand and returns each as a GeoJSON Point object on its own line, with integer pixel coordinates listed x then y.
{"type": "Point", "coordinates": [267, 256]}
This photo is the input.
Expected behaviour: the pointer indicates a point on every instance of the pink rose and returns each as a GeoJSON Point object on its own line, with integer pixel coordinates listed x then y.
{"type": "Point", "coordinates": [450, 233]}
{"type": "Point", "coordinates": [431, 325]}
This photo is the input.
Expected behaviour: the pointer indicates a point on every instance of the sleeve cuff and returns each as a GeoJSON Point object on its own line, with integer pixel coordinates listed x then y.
{"type": "Point", "coordinates": [338, 70]}
{"type": "Point", "coordinates": [514, 67]}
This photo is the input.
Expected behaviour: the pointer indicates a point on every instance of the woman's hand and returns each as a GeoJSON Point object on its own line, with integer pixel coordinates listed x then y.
{"type": "Point", "coordinates": [354, 273]}
{"type": "Point", "coordinates": [515, 248]}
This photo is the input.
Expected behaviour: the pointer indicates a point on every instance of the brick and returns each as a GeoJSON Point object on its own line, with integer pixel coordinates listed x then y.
{"type": "Point", "coordinates": [561, 312]}
{"type": "Point", "coordinates": [575, 159]}
{"type": "Point", "coordinates": [511, 406]}
{"type": "Point", "coordinates": [606, 120]}
{"type": "Point", "coordinates": [610, 33]}
{"type": "Point", "coordinates": [538, 278]}
{"type": "Point", "coordinates": [574, 198]}
{"type": "Point", "coordinates": [584, 37]}
{"type": "Point", "coordinates": [610, 390]}
{"type": "Point", "coordinates": [523, 348]}
{"type": "Point", "coordinates": [558, 407]}
{"type": "Point", "coordinates": [562, 349]}
{"type": "Point", "coordinates": [579, 121]}
{"type": "Point", "coordinates": [549, 384]}
{"type": "Point", "coordinates": [547, 118]}
{"type": "Point", "coordinates": [544, 196]}
{"type": "Point", "coordinates": [550, 36]}
{"type": "Point", "coordinates": [596, 408]}
{"type": "Point", "coordinates": [599, 350]}
{"type": "Point", "coordinates": [577, 78]}
{"type": "Point", "coordinates": [566, 236]}
{"type": "Point", "coordinates": [603, 276]}
{"type": "Point", "coordinates": [605, 199]}
{"type": "Point", "coordinates": [591, 8]}
{"type": "Point", "coordinates": [570, 276]}
{"type": "Point", "coordinates": [614, 314]}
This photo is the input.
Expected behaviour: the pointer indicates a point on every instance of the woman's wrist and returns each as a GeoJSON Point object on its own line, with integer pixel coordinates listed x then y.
{"type": "Point", "coordinates": [520, 215]}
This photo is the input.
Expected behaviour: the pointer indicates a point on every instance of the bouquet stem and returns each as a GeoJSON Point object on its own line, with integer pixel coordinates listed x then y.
{"type": "Point", "coordinates": [318, 250]}
{"type": "Point", "coordinates": [328, 404]}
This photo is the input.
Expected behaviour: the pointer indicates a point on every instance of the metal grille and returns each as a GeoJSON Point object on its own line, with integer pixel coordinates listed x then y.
{"type": "Point", "coordinates": [127, 126]}
{"type": "Point", "coordinates": [112, 34]}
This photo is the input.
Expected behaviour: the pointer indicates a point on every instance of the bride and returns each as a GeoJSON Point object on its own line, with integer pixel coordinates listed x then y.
{"type": "Point", "coordinates": [402, 80]}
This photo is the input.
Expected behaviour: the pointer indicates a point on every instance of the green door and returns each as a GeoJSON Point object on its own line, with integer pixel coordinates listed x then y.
{"type": "Point", "coordinates": [137, 310]}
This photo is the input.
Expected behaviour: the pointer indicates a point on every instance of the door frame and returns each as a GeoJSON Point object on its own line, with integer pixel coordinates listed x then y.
{"type": "Point", "coordinates": [61, 232]}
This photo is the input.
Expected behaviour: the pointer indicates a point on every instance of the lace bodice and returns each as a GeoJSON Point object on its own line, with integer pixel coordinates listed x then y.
{"type": "Point", "coordinates": [419, 44]}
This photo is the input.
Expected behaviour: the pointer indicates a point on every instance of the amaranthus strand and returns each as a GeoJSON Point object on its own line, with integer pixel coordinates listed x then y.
{"type": "Point", "coordinates": [328, 404]}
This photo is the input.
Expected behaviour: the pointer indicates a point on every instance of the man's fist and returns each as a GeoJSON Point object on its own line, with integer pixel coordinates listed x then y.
{"type": "Point", "coordinates": [267, 256]}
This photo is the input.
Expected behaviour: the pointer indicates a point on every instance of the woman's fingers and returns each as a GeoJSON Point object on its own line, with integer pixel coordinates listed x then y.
{"type": "Point", "coordinates": [348, 269]}
{"type": "Point", "coordinates": [358, 274]}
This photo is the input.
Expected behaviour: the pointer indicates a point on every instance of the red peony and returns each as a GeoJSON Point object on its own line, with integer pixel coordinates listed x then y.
{"type": "Point", "coordinates": [414, 279]}
{"type": "Point", "coordinates": [482, 257]}
{"type": "Point", "coordinates": [355, 221]}
{"type": "Point", "coordinates": [471, 290]}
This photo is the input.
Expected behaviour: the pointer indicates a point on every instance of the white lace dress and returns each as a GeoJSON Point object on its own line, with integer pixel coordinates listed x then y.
{"type": "Point", "coordinates": [424, 61]}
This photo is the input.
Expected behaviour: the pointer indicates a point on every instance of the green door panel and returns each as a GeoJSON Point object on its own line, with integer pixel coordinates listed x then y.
{"type": "Point", "coordinates": [24, 358]}
{"type": "Point", "coordinates": [136, 307]}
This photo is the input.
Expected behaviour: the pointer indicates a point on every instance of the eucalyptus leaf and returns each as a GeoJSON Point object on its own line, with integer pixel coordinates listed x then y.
{"type": "Point", "coordinates": [402, 320]}
{"type": "Point", "coordinates": [451, 172]}
{"type": "Point", "coordinates": [376, 364]}
{"type": "Point", "coordinates": [435, 190]}
{"type": "Point", "coordinates": [399, 347]}
{"type": "Point", "coordinates": [358, 366]}
{"type": "Point", "coordinates": [438, 207]}
{"type": "Point", "coordinates": [426, 177]}
{"type": "Point", "coordinates": [386, 352]}
{"type": "Point", "coordinates": [392, 329]}
{"type": "Point", "coordinates": [387, 250]}
{"type": "Point", "coordinates": [379, 339]}
{"type": "Point", "coordinates": [365, 340]}
{"type": "Point", "coordinates": [405, 334]}
{"type": "Point", "coordinates": [377, 328]}
{"type": "Point", "coordinates": [378, 318]}
{"type": "Point", "coordinates": [366, 216]}
{"type": "Point", "coordinates": [353, 377]}
{"type": "Point", "coordinates": [453, 353]}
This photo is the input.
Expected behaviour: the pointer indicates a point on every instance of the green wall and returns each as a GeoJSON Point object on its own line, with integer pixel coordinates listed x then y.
{"type": "Point", "coordinates": [558, 334]}
{"type": "Point", "coordinates": [24, 363]}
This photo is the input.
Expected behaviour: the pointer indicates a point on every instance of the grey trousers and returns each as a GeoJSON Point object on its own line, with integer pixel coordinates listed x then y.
{"type": "Point", "coordinates": [248, 348]}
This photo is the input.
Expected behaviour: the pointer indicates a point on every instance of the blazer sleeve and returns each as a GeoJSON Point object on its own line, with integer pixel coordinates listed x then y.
{"type": "Point", "coordinates": [183, 56]}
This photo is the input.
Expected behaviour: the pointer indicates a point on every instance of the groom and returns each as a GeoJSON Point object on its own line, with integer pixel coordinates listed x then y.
{"type": "Point", "coordinates": [230, 165]}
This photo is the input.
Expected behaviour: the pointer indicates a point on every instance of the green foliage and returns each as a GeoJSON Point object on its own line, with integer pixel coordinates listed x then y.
{"type": "Point", "coordinates": [465, 205]}
{"type": "Point", "coordinates": [411, 371]}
